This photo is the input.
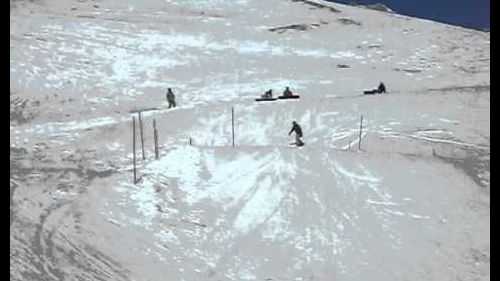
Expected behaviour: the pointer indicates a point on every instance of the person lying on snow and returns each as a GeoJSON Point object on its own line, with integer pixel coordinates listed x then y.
{"type": "Point", "coordinates": [287, 92]}
{"type": "Point", "coordinates": [380, 89]}
{"type": "Point", "coordinates": [298, 133]}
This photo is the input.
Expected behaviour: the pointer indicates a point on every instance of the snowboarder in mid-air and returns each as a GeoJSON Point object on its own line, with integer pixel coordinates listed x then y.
{"type": "Point", "coordinates": [298, 133]}
{"type": "Point", "coordinates": [170, 98]}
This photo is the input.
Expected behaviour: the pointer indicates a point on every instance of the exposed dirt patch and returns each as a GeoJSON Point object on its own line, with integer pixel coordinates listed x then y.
{"type": "Point", "coordinates": [23, 110]}
{"type": "Point", "coordinates": [13, 186]}
{"type": "Point", "coordinates": [378, 7]}
{"type": "Point", "coordinates": [318, 5]}
{"type": "Point", "coordinates": [472, 69]}
{"type": "Point", "coordinates": [347, 21]}
{"type": "Point", "coordinates": [35, 164]}
{"type": "Point", "coordinates": [474, 88]}
{"type": "Point", "coordinates": [40, 245]}
{"type": "Point", "coordinates": [474, 162]}
{"type": "Point", "coordinates": [294, 27]}
{"type": "Point", "coordinates": [408, 70]}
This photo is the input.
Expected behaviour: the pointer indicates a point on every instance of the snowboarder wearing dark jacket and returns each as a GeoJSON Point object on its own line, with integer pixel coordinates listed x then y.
{"type": "Point", "coordinates": [268, 94]}
{"type": "Point", "coordinates": [381, 88]}
{"type": "Point", "coordinates": [298, 133]}
{"type": "Point", "coordinates": [170, 98]}
{"type": "Point", "coordinates": [287, 92]}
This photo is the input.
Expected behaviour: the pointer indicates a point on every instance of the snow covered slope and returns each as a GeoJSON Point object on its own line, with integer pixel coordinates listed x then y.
{"type": "Point", "coordinates": [412, 204]}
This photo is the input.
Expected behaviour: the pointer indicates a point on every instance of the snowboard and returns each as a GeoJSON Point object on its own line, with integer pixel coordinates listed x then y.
{"type": "Point", "coordinates": [265, 99]}
{"type": "Point", "coordinates": [294, 144]}
{"type": "Point", "coordinates": [290, 97]}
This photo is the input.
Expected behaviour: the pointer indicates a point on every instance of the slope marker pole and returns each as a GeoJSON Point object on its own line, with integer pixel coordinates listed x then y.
{"type": "Point", "coordinates": [133, 149]}
{"type": "Point", "coordinates": [142, 137]}
{"type": "Point", "coordinates": [360, 131]}
{"type": "Point", "coordinates": [155, 132]}
{"type": "Point", "coordinates": [232, 123]}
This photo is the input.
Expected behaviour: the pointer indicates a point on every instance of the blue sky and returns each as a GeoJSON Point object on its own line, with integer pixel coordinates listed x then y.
{"type": "Point", "coordinates": [468, 13]}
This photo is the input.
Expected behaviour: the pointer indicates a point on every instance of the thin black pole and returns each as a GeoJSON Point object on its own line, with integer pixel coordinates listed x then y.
{"type": "Point", "coordinates": [142, 137]}
{"type": "Point", "coordinates": [232, 123]}
{"type": "Point", "coordinates": [360, 131]}
{"type": "Point", "coordinates": [155, 132]}
{"type": "Point", "coordinates": [133, 149]}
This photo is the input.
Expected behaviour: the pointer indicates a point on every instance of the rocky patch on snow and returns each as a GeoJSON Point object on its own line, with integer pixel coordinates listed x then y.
{"type": "Point", "coordinates": [294, 27]}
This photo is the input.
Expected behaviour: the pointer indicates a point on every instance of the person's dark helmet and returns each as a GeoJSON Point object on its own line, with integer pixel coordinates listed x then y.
{"type": "Point", "coordinates": [294, 123]}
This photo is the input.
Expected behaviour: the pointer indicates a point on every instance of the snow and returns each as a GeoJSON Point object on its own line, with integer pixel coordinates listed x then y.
{"type": "Point", "coordinates": [448, 121]}
{"type": "Point", "coordinates": [73, 125]}
{"type": "Point", "coordinates": [258, 210]}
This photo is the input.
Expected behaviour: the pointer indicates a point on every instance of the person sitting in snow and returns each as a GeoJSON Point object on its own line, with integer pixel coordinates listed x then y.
{"type": "Point", "coordinates": [170, 98]}
{"type": "Point", "coordinates": [381, 88]}
{"type": "Point", "coordinates": [287, 92]}
{"type": "Point", "coordinates": [268, 94]}
{"type": "Point", "coordinates": [298, 133]}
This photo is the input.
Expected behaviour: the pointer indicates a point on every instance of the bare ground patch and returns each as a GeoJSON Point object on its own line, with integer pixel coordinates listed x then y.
{"type": "Point", "coordinates": [346, 21]}
{"type": "Point", "coordinates": [317, 5]}
{"type": "Point", "coordinates": [23, 110]}
{"type": "Point", "coordinates": [294, 27]}
{"type": "Point", "coordinates": [52, 186]}
{"type": "Point", "coordinates": [472, 88]}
